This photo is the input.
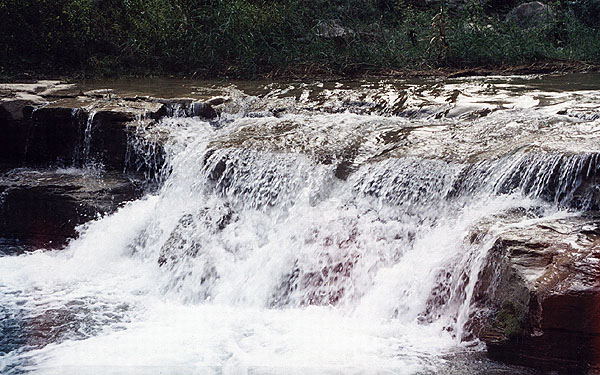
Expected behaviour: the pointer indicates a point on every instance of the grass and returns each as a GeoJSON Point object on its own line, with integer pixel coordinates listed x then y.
{"type": "Point", "coordinates": [250, 38]}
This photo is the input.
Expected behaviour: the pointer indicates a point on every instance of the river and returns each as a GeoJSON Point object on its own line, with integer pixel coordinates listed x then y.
{"type": "Point", "coordinates": [317, 227]}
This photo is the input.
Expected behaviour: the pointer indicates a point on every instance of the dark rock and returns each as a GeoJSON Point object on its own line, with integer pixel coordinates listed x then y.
{"type": "Point", "coordinates": [539, 296]}
{"type": "Point", "coordinates": [41, 208]}
{"type": "Point", "coordinates": [41, 128]}
{"type": "Point", "coordinates": [108, 143]}
{"type": "Point", "coordinates": [15, 114]}
{"type": "Point", "coordinates": [530, 14]}
{"type": "Point", "coordinates": [48, 138]}
{"type": "Point", "coordinates": [13, 141]}
{"type": "Point", "coordinates": [49, 114]}
{"type": "Point", "coordinates": [204, 110]}
{"type": "Point", "coordinates": [110, 117]}
{"type": "Point", "coordinates": [55, 136]}
{"type": "Point", "coordinates": [176, 107]}
{"type": "Point", "coordinates": [19, 108]}
{"type": "Point", "coordinates": [180, 107]}
{"type": "Point", "coordinates": [158, 114]}
{"type": "Point", "coordinates": [217, 101]}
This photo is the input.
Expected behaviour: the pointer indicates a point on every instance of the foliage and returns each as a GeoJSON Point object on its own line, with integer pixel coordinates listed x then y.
{"type": "Point", "coordinates": [250, 37]}
{"type": "Point", "coordinates": [510, 320]}
{"type": "Point", "coordinates": [588, 11]}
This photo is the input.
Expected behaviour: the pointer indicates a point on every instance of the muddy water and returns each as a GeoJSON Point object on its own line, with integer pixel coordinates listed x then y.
{"type": "Point", "coordinates": [308, 229]}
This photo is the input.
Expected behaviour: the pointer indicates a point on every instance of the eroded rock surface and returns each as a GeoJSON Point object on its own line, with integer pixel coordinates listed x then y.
{"type": "Point", "coordinates": [41, 208]}
{"type": "Point", "coordinates": [539, 295]}
{"type": "Point", "coordinates": [63, 154]}
{"type": "Point", "coordinates": [536, 297]}
{"type": "Point", "coordinates": [49, 123]}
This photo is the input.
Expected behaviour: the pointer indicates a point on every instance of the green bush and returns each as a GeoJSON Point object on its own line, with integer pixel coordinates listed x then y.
{"type": "Point", "coordinates": [588, 11]}
{"type": "Point", "coordinates": [246, 38]}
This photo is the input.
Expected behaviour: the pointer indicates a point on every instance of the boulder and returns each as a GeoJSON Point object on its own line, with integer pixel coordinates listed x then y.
{"type": "Point", "coordinates": [530, 14]}
{"type": "Point", "coordinates": [41, 208]}
{"type": "Point", "coordinates": [203, 110]}
{"type": "Point", "coordinates": [331, 29]}
{"type": "Point", "coordinates": [45, 123]}
{"type": "Point", "coordinates": [217, 100]}
{"type": "Point", "coordinates": [537, 301]}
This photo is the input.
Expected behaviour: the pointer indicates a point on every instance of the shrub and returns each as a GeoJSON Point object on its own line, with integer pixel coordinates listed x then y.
{"type": "Point", "coordinates": [246, 38]}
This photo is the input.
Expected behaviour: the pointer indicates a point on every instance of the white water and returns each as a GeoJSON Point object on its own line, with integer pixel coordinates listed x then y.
{"type": "Point", "coordinates": [259, 261]}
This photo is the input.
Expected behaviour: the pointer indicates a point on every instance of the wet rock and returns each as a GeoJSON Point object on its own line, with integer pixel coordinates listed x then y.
{"type": "Point", "coordinates": [204, 110]}
{"type": "Point", "coordinates": [43, 125]}
{"type": "Point", "coordinates": [41, 208]}
{"type": "Point", "coordinates": [45, 129]}
{"type": "Point", "coordinates": [50, 137]}
{"type": "Point", "coordinates": [217, 100]}
{"type": "Point", "coordinates": [323, 285]}
{"type": "Point", "coordinates": [538, 298]}
{"type": "Point", "coordinates": [530, 14]}
{"type": "Point", "coordinates": [15, 112]}
{"type": "Point", "coordinates": [20, 106]}
{"type": "Point", "coordinates": [180, 243]}
{"type": "Point", "coordinates": [580, 114]}
{"type": "Point", "coordinates": [184, 242]}
{"type": "Point", "coordinates": [124, 111]}
{"type": "Point", "coordinates": [100, 93]}
{"type": "Point", "coordinates": [41, 88]}
{"type": "Point", "coordinates": [185, 107]}
{"type": "Point", "coordinates": [187, 254]}
{"type": "Point", "coordinates": [46, 136]}
{"type": "Point", "coordinates": [179, 107]}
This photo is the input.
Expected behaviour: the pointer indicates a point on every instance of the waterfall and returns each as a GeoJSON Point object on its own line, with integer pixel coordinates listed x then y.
{"type": "Point", "coordinates": [257, 255]}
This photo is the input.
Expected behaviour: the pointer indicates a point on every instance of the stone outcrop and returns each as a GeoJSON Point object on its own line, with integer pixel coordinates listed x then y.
{"type": "Point", "coordinates": [538, 298]}
{"type": "Point", "coordinates": [532, 13]}
{"type": "Point", "coordinates": [66, 156]}
{"type": "Point", "coordinates": [45, 123]}
{"type": "Point", "coordinates": [41, 208]}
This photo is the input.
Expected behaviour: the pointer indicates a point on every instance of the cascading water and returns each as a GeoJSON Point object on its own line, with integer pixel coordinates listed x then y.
{"type": "Point", "coordinates": [84, 119]}
{"type": "Point", "coordinates": [87, 138]}
{"type": "Point", "coordinates": [296, 243]}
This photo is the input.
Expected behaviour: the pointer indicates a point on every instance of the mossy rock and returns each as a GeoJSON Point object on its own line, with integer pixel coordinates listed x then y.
{"type": "Point", "coordinates": [510, 320]}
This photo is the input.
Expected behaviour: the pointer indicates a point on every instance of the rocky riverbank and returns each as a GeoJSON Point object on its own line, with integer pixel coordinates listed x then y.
{"type": "Point", "coordinates": [538, 295]}
{"type": "Point", "coordinates": [67, 156]}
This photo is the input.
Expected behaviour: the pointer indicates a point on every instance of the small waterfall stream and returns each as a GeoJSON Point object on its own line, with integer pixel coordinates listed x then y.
{"type": "Point", "coordinates": [297, 243]}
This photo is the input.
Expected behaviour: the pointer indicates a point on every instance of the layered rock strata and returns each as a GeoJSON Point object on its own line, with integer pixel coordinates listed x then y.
{"type": "Point", "coordinates": [66, 156]}
{"type": "Point", "coordinates": [538, 298]}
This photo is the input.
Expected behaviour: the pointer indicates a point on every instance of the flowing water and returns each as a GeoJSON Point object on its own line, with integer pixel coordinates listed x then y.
{"type": "Point", "coordinates": [312, 228]}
